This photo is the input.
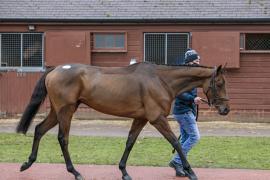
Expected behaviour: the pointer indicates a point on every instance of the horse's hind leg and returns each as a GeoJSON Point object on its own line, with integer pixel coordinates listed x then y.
{"type": "Point", "coordinates": [135, 130]}
{"type": "Point", "coordinates": [162, 125]}
{"type": "Point", "coordinates": [49, 122]}
{"type": "Point", "coordinates": [64, 118]}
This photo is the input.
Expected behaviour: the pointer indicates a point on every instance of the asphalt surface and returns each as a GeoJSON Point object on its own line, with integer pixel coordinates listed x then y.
{"type": "Point", "coordinates": [120, 128]}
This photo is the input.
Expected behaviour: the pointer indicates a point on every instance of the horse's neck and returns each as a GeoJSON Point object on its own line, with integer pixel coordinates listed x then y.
{"type": "Point", "coordinates": [183, 79]}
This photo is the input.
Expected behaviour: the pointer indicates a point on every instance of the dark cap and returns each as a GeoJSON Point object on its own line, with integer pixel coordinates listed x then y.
{"type": "Point", "coordinates": [191, 55]}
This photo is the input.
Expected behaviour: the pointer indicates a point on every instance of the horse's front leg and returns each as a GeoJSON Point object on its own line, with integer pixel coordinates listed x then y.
{"type": "Point", "coordinates": [162, 125]}
{"type": "Point", "coordinates": [135, 130]}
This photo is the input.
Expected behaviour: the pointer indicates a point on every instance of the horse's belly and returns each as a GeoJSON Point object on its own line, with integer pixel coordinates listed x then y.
{"type": "Point", "coordinates": [115, 96]}
{"type": "Point", "coordinates": [117, 108]}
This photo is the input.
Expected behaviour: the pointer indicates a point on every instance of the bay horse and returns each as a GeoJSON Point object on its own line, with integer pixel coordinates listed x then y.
{"type": "Point", "coordinates": [142, 91]}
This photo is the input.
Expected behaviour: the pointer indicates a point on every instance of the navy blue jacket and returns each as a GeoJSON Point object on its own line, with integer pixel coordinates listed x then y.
{"type": "Point", "coordinates": [185, 102]}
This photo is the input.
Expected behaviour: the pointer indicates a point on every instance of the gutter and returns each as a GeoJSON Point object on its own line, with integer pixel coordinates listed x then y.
{"type": "Point", "coordinates": [142, 21]}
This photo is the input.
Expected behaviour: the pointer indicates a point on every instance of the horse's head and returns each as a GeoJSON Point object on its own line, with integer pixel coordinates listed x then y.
{"type": "Point", "coordinates": [215, 90]}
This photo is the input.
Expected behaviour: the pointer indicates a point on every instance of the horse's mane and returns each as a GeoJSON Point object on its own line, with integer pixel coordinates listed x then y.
{"type": "Point", "coordinates": [173, 66]}
{"type": "Point", "coordinates": [149, 66]}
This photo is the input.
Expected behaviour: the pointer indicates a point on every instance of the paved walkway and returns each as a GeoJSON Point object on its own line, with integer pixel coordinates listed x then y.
{"type": "Point", "coordinates": [10, 171]}
{"type": "Point", "coordinates": [120, 128]}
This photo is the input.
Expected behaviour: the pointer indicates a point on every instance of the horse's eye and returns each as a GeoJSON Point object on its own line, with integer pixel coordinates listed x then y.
{"type": "Point", "coordinates": [219, 85]}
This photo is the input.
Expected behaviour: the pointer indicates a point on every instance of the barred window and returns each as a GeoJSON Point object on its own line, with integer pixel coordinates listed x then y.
{"type": "Point", "coordinates": [255, 41]}
{"type": "Point", "coordinates": [110, 42]}
{"type": "Point", "coordinates": [165, 48]}
{"type": "Point", "coordinates": [21, 51]}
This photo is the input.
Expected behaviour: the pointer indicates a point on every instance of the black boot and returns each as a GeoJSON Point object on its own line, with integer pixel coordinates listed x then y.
{"type": "Point", "coordinates": [178, 168]}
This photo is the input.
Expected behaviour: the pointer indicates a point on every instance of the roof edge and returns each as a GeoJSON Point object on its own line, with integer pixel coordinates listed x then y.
{"type": "Point", "coordinates": [152, 21]}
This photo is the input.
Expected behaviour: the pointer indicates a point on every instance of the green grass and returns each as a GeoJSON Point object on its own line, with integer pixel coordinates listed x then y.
{"type": "Point", "coordinates": [221, 152]}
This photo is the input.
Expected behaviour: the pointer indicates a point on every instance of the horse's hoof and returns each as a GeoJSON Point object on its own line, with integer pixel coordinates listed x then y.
{"type": "Point", "coordinates": [126, 177]}
{"type": "Point", "coordinates": [25, 166]}
{"type": "Point", "coordinates": [79, 177]}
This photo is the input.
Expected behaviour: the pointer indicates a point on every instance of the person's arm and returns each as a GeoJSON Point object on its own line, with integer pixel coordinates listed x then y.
{"type": "Point", "coordinates": [188, 97]}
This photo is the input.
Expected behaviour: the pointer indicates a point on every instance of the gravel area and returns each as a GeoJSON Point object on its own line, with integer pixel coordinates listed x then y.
{"type": "Point", "coordinates": [120, 128]}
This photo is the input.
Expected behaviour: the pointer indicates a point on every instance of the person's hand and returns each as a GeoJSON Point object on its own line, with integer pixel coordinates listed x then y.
{"type": "Point", "coordinates": [197, 100]}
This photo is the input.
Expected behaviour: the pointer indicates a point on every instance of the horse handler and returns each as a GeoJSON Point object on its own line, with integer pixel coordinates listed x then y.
{"type": "Point", "coordinates": [185, 113]}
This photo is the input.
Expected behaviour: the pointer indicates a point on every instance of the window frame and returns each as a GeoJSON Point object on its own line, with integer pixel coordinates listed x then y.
{"type": "Point", "coordinates": [22, 68]}
{"type": "Point", "coordinates": [243, 43]}
{"type": "Point", "coordinates": [189, 35]}
{"type": "Point", "coordinates": [109, 49]}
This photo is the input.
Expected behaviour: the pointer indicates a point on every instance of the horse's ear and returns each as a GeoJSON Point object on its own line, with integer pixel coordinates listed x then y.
{"type": "Point", "coordinates": [225, 65]}
{"type": "Point", "coordinates": [219, 70]}
{"type": "Point", "coordinates": [224, 69]}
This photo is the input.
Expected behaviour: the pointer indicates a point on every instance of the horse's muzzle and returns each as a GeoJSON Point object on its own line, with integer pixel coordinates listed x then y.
{"type": "Point", "coordinates": [223, 110]}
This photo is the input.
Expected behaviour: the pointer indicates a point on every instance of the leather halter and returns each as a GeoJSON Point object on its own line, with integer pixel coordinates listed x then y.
{"type": "Point", "coordinates": [212, 87]}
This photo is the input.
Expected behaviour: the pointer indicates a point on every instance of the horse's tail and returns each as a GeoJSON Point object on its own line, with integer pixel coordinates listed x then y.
{"type": "Point", "coordinates": [38, 96]}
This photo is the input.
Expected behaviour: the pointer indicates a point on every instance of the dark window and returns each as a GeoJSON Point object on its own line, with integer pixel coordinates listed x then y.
{"type": "Point", "coordinates": [165, 48]}
{"type": "Point", "coordinates": [32, 50]}
{"type": "Point", "coordinates": [106, 42]}
{"type": "Point", "coordinates": [255, 42]}
{"type": "Point", "coordinates": [21, 50]}
{"type": "Point", "coordinates": [155, 48]}
{"type": "Point", "coordinates": [11, 50]}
